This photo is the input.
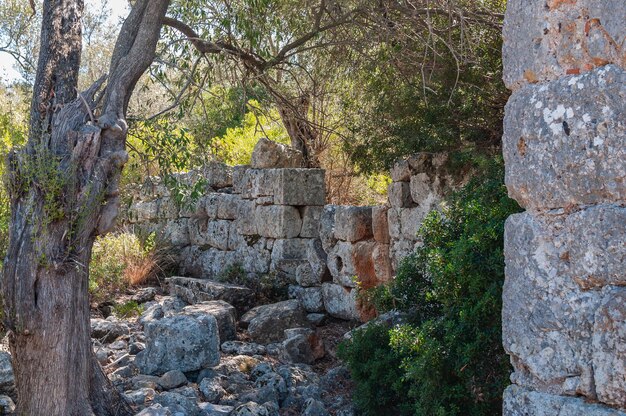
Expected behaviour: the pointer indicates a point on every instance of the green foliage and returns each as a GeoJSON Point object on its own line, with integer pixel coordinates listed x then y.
{"type": "Point", "coordinates": [452, 359]}
{"type": "Point", "coordinates": [377, 370]}
{"type": "Point", "coordinates": [127, 309]}
{"type": "Point", "coordinates": [119, 261]}
{"type": "Point", "coordinates": [236, 145]}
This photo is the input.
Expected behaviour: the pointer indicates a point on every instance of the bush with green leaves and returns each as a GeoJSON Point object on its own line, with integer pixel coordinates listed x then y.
{"type": "Point", "coordinates": [452, 360]}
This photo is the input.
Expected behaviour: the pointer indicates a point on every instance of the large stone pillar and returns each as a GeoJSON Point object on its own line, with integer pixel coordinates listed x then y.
{"type": "Point", "coordinates": [564, 311]}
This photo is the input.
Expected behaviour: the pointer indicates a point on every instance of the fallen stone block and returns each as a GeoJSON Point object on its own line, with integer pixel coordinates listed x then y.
{"type": "Point", "coordinates": [223, 312]}
{"type": "Point", "coordinates": [180, 342]}
{"type": "Point", "coordinates": [200, 290]}
{"type": "Point", "coordinates": [267, 322]}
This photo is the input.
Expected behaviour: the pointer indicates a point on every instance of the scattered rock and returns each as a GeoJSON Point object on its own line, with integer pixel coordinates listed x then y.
{"type": "Point", "coordinates": [269, 321]}
{"type": "Point", "coordinates": [108, 330]}
{"type": "Point", "coordinates": [172, 379]}
{"type": "Point", "coordinates": [182, 342]}
{"type": "Point", "coordinates": [242, 348]}
{"type": "Point", "coordinates": [270, 154]}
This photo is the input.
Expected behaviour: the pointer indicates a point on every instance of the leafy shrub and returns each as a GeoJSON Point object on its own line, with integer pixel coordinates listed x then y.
{"type": "Point", "coordinates": [128, 309]}
{"type": "Point", "coordinates": [376, 367]}
{"type": "Point", "coordinates": [452, 359]}
{"type": "Point", "coordinates": [121, 260]}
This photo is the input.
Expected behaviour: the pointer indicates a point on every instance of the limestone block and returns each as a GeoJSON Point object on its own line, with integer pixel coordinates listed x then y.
{"type": "Point", "coordinates": [340, 301]}
{"type": "Point", "coordinates": [218, 175]}
{"type": "Point", "coordinates": [311, 221]}
{"type": "Point", "coordinates": [268, 322]}
{"type": "Point", "coordinates": [382, 263]}
{"type": "Point", "coordinates": [176, 232]}
{"type": "Point", "coordinates": [257, 183]}
{"type": "Point", "coordinates": [310, 298]}
{"type": "Point", "coordinates": [594, 241]}
{"type": "Point", "coordinates": [270, 154]}
{"type": "Point", "coordinates": [235, 238]}
{"type": "Point", "coordinates": [547, 320]}
{"type": "Point", "coordinates": [380, 224]}
{"type": "Point", "coordinates": [327, 227]}
{"type": "Point", "coordinates": [353, 223]}
{"type": "Point", "coordinates": [246, 219]}
{"type": "Point", "coordinates": [213, 261]}
{"type": "Point", "coordinates": [228, 206]}
{"type": "Point", "coordinates": [399, 249]}
{"type": "Point", "coordinates": [200, 290]}
{"type": "Point", "coordinates": [239, 178]}
{"type": "Point", "coordinates": [254, 259]}
{"type": "Point", "coordinates": [290, 249]}
{"type": "Point", "coordinates": [350, 263]}
{"type": "Point", "coordinates": [519, 401]}
{"type": "Point", "coordinates": [411, 221]}
{"type": "Point", "coordinates": [399, 194]}
{"type": "Point", "coordinates": [299, 187]}
{"type": "Point", "coordinates": [204, 232]}
{"type": "Point", "coordinates": [167, 208]}
{"type": "Point", "coordinates": [142, 211]}
{"type": "Point", "coordinates": [185, 343]}
{"type": "Point", "coordinates": [278, 221]}
{"type": "Point", "coordinates": [315, 270]}
{"type": "Point", "coordinates": [426, 191]}
{"type": "Point", "coordinates": [341, 264]}
{"type": "Point", "coordinates": [547, 40]}
{"type": "Point", "coordinates": [401, 171]}
{"type": "Point", "coordinates": [609, 348]}
{"type": "Point", "coordinates": [208, 205]}
{"type": "Point", "coordinates": [564, 141]}
{"type": "Point", "coordinates": [393, 220]}
{"type": "Point", "coordinates": [224, 313]}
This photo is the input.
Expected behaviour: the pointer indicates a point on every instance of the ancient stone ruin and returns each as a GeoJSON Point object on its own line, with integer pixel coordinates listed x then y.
{"type": "Point", "coordinates": [564, 317]}
{"type": "Point", "coordinates": [275, 221]}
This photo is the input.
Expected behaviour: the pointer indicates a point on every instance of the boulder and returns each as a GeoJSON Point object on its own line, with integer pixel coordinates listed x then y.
{"type": "Point", "coordinates": [7, 378]}
{"type": "Point", "coordinates": [224, 313]}
{"type": "Point", "coordinates": [302, 345]}
{"type": "Point", "coordinates": [108, 330]}
{"type": "Point", "coordinates": [269, 321]}
{"type": "Point", "coordinates": [200, 290]}
{"type": "Point", "coordinates": [399, 194]}
{"type": "Point", "coordinates": [172, 379]}
{"type": "Point", "coordinates": [270, 154]}
{"type": "Point", "coordinates": [176, 402]}
{"type": "Point", "coordinates": [340, 301]}
{"type": "Point", "coordinates": [180, 342]}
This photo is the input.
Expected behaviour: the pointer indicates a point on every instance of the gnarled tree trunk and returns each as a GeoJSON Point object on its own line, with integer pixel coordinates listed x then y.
{"type": "Point", "coordinates": [63, 187]}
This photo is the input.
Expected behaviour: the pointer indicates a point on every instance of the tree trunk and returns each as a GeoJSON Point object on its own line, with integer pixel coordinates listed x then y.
{"type": "Point", "coordinates": [64, 192]}
{"type": "Point", "coordinates": [301, 133]}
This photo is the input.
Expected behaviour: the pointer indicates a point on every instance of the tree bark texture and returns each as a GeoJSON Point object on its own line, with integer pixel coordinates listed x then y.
{"type": "Point", "coordinates": [64, 192]}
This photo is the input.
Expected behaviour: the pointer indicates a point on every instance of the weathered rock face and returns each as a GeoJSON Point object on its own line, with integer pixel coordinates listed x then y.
{"type": "Point", "coordinates": [553, 39]}
{"type": "Point", "coordinates": [180, 342]}
{"type": "Point", "coordinates": [564, 319]}
{"type": "Point", "coordinates": [269, 154]}
{"type": "Point", "coordinates": [568, 148]}
{"type": "Point", "coordinates": [267, 322]}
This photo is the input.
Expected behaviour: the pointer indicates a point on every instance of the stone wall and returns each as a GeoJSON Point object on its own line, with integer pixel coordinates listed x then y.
{"type": "Point", "coordinates": [564, 300]}
{"type": "Point", "coordinates": [274, 221]}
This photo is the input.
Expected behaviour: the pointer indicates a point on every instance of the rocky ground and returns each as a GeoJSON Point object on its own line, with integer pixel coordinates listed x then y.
{"type": "Point", "coordinates": [211, 358]}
